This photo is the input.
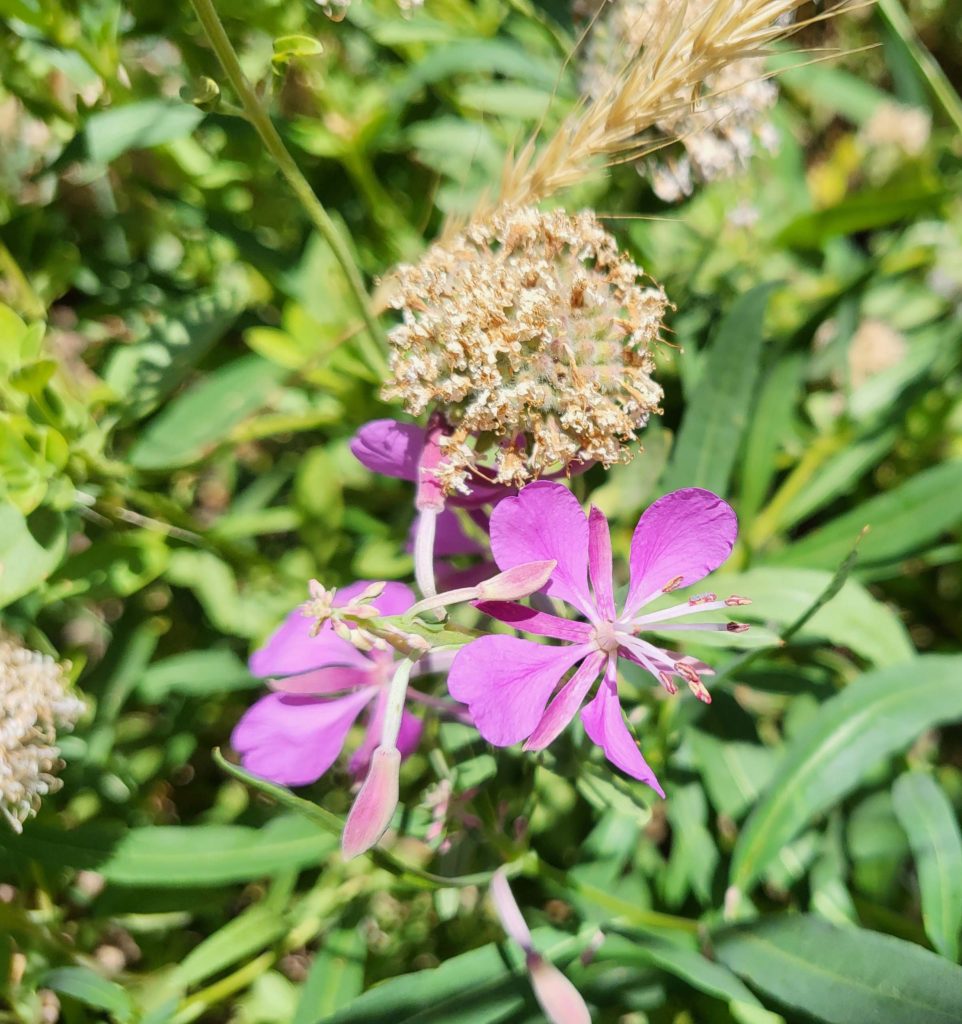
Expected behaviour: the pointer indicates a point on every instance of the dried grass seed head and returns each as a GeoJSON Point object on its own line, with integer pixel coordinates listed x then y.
{"type": "Point", "coordinates": [531, 333]}
{"type": "Point", "coordinates": [34, 705]}
{"type": "Point", "coordinates": [717, 129]}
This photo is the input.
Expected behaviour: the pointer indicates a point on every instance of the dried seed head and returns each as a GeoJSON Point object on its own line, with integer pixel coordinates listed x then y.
{"type": "Point", "coordinates": [34, 704]}
{"type": "Point", "coordinates": [717, 129]}
{"type": "Point", "coordinates": [530, 332]}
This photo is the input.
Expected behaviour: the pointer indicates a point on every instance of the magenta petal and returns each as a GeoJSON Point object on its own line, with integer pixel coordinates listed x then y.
{"type": "Point", "coordinates": [605, 725]}
{"type": "Point", "coordinates": [545, 521]}
{"type": "Point", "coordinates": [449, 537]}
{"type": "Point", "coordinates": [409, 735]}
{"type": "Point", "coordinates": [567, 701]}
{"type": "Point", "coordinates": [686, 534]}
{"type": "Point", "coordinates": [294, 740]}
{"type": "Point", "coordinates": [599, 562]}
{"type": "Point", "coordinates": [395, 599]}
{"type": "Point", "coordinates": [323, 680]}
{"type": "Point", "coordinates": [291, 649]}
{"type": "Point", "coordinates": [531, 621]}
{"type": "Point", "coordinates": [506, 683]}
{"type": "Point", "coordinates": [389, 447]}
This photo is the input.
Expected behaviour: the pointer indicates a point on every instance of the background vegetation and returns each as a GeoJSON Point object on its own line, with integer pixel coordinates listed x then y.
{"type": "Point", "coordinates": [183, 368]}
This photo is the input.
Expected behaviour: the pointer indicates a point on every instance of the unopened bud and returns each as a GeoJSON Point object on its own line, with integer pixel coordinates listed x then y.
{"type": "Point", "coordinates": [520, 581]}
{"type": "Point", "coordinates": [374, 805]}
{"type": "Point", "coordinates": [558, 998]}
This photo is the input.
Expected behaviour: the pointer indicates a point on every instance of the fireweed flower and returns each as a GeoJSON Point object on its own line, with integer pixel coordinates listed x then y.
{"type": "Point", "coordinates": [557, 997]}
{"type": "Point", "coordinates": [323, 683]}
{"type": "Point", "coordinates": [717, 132]}
{"type": "Point", "coordinates": [34, 704]}
{"type": "Point", "coordinates": [529, 333]}
{"type": "Point", "coordinates": [508, 681]}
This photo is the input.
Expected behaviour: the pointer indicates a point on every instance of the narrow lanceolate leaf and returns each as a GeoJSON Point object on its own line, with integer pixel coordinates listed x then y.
{"type": "Point", "coordinates": [712, 430]}
{"type": "Point", "coordinates": [843, 975]}
{"type": "Point", "coordinates": [874, 718]}
{"type": "Point", "coordinates": [929, 820]}
{"type": "Point", "coordinates": [900, 523]}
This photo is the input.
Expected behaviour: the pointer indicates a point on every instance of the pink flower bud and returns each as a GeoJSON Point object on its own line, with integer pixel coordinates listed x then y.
{"type": "Point", "coordinates": [374, 805]}
{"type": "Point", "coordinates": [513, 584]}
{"type": "Point", "coordinates": [561, 1001]}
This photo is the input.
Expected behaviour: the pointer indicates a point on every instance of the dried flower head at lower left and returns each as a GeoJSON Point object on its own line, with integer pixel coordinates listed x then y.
{"type": "Point", "coordinates": [35, 704]}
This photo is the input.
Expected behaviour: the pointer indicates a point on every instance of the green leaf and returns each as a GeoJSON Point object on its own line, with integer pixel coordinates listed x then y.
{"type": "Point", "coordinates": [868, 209]}
{"type": "Point", "coordinates": [145, 372]}
{"type": "Point", "coordinates": [82, 984]}
{"type": "Point", "coordinates": [734, 773]}
{"type": "Point", "coordinates": [929, 820]}
{"type": "Point", "coordinates": [31, 547]}
{"type": "Point", "coordinates": [711, 432]}
{"type": "Point", "coordinates": [900, 522]}
{"type": "Point", "coordinates": [843, 975]}
{"type": "Point", "coordinates": [172, 856]}
{"type": "Point", "coordinates": [335, 978]}
{"type": "Point", "coordinates": [872, 719]}
{"type": "Point", "coordinates": [195, 422]}
{"type": "Point", "coordinates": [689, 966]}
{"type": "Point", "coordinates": [140, 125]}
{"type": "Point", "coordinates": [195, 674]}
{"type": "Point", "coordinates": [475, 988]}
{"type": "Point", "coordinates": [852, 618]}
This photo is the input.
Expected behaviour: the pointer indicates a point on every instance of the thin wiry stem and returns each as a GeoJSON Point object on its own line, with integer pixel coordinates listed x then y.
{"type": "Point", "coordinates": [319, 217]}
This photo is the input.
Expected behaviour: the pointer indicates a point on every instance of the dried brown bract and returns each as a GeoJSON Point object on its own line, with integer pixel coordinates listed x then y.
{"type": "Point", "coordinates": [34, 704]}
{"type": "Point", "coordinates": [531, 334]}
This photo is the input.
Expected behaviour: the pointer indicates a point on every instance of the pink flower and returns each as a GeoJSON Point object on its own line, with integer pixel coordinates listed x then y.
{"type": "Point", "coordinates": [508, 681]}
{"type": "Point", "coordinates": [294, 735]}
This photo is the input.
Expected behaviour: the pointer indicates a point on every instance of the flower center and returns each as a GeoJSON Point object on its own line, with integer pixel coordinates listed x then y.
{"type": "Point", "coordinates": [605, 636]}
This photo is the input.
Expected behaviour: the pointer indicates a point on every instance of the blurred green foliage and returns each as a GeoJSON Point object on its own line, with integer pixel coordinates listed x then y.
{"type": "Point", "coordinates": [182, 369]}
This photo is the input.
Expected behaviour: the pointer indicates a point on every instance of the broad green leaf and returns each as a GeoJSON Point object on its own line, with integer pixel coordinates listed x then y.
{"type": "Point", "coordinates": [839, 91]}
{"type": "Point", "coordinates": [145, 372]}
{"type": "Point", "coordinates": [694, 855]}
{"type": "Point", "coordinates": [82, 984]}
{"type": "Point", "coordinates": [843, 975]}
{"type": "Point", "coordinates": [711, 432]}
{"type": "Point", "coordinates": [140, 125]}
{"type": "Point", "coordinates": [901, 522]}
{"type": "Point", "coordinates": [852, 618]}
{"type": "Point", "coordinates": [198, 420]}
{"type": "Point", "coordinates": [872, 719]}
{"type": "Point", "coordinates": [336, 976]}
{"type": "Point", "coordinates": [933, 830]}
{"type": "Point", "coordinates": [689, 966]}
{"type": "Point", "coordinates": [734, 773]}
{"type": "Point", "coordinates": [176, 856]}
{"type": "Point", "coordinates": [474, 988]}
{"type": "Point", "coordinates": [31, 547]}
{"type": "Point", "coordinates": [195, 674]}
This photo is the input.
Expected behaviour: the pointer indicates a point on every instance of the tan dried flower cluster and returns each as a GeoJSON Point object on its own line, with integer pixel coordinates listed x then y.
{"type": "Point", "coordinates": [717, 133]}
{"type": "Point", "coordinates": [530, 332]}
{"type": "Point", "coordinates": [34, 704]}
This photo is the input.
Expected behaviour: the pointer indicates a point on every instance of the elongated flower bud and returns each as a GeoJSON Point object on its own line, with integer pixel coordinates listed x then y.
{"type": "Point", "coordinates": [374, 805]}
{"type": "Point", "coordinates": [514, 584]}
{"type": "Point", "coordinates": [560, 1000]}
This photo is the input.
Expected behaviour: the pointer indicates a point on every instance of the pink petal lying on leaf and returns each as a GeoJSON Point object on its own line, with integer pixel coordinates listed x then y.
{"type": "Point", "coordinates": [506, 683]}
{"type": "Point", "coordinates": [605, 725]}
{"type": "Point", "coordinates": [599, 562]}
{"type": "Point", "coordinates": [539, 623]}
{"type": "Point", "coordinates": [545, 521]}
{"type": "Point", "coordinates": [390, 448]}
{"type": "Point", "coordinates": [687, 534]}
{"type": "Point", "coordinates": [566, 703]}
{"type": "Point", "coordinates": [560, 1001]}
{"type": "Point", "coordinates": [294, 740]}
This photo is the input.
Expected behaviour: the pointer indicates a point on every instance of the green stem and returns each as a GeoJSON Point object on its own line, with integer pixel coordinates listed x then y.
{"type": "Point", "coordinates": [937, 80]}
{"type": "Point", "coordinates": [319, 217]}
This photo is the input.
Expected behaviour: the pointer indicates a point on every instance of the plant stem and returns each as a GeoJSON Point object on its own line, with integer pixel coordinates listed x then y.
{"type": "Point", "coordinates": [319, 217]}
